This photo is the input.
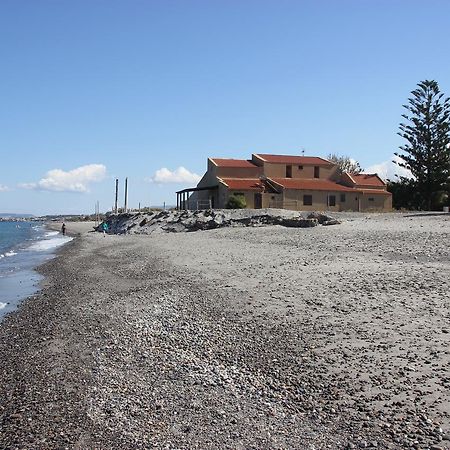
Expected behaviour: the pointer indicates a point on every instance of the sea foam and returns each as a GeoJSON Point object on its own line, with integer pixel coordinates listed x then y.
{"type": "Point", "coordinates": [48, 244]}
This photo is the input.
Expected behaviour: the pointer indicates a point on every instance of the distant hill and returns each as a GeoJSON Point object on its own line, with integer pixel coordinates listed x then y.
{"type": "Point", "coordinates": [13, 215]}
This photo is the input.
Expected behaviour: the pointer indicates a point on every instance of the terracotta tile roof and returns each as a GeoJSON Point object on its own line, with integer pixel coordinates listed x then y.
{"type": "Point", "coordinates": [311, 185]}
{"type": "Point", "coordinates": [367, 179]}
{"type": "Point", "coordinates": [237, 163]}
{"type": "Point", "coordinates": [243, 184]}
{"type": "Point", "coordinates": [291, 159]}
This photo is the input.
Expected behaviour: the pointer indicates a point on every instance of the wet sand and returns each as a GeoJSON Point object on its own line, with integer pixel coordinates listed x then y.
{"type": "Point", "coordinates": [329, 337]}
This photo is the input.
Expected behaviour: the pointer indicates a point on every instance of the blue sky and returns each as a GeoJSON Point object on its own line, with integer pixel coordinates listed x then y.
{"type": "Point", "coordinates": [137, 86]}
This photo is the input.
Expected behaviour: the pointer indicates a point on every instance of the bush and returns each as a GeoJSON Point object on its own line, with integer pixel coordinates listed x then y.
{"type": "Point", "coordinates": [236, 202]}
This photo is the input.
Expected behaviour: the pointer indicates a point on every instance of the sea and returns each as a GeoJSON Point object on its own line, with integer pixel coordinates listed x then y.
{"type": "Point", "coordinates": [23, 247]}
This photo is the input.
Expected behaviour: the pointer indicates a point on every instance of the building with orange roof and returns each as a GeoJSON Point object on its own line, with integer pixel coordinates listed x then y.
{"type": "Point", "coordinates": [288, 182]}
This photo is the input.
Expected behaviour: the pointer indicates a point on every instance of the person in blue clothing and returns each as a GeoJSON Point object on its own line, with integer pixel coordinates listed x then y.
{"type": "Point", "coordinates": [104, 228]}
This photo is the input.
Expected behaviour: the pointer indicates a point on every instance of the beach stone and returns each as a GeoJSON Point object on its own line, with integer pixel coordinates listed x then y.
{"type": "Point", "coordinates": [320, 217]}
{"type": "Point", "coordinates": [186, 221]}
{"type": "Point", "coordinates": [331, 222]}
{"type": "Point", "coordinates": [124, 323]}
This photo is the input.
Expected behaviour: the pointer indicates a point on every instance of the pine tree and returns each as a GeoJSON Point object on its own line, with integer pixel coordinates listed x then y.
{"type": "Point", "coordinates": [427, 132]}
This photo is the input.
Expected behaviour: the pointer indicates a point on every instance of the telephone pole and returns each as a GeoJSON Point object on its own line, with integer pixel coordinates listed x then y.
{"type": "Point", "coordinates": [126, 195]}
{"type": "Point", "coordinates": [117, 195]}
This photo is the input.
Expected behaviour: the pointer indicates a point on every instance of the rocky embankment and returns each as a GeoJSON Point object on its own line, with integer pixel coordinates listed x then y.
{"type": "Point", "coordinates": [182, 221]}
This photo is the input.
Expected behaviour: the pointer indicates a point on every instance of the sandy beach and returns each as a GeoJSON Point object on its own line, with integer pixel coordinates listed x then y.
{"type": "Point", "coordinates": [236, 338]}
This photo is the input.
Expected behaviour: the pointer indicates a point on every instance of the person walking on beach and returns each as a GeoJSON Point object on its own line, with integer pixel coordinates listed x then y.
{"type": "Point", "coordinates": [104, 228]}
{"type": "Point", "coordinates": [63, 229]}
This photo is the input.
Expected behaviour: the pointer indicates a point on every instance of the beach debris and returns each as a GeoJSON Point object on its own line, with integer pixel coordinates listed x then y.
{"type": "Point", "coordinates": [184, 221]}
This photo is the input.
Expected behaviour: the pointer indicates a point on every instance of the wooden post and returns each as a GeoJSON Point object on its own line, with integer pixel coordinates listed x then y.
{"type": "Point", "coordinates": [126, 195]}
{"type": "Point", "coordinates": [177, 202]}
{"type": "Point", "coordinates": [117, 195]}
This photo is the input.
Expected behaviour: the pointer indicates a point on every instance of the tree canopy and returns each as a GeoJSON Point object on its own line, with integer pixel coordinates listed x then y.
{"type": "Point", "coordinates": [345, 163]}
{"type": "Point", "coordinates": [426, 152]}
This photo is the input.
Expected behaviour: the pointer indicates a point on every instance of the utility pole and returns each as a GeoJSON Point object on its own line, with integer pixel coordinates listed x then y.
{"type": "Point", "coordinates": [117, 195]}
{"type": "Point", "coordinates": [97, 213]}
{"type": "Point", "coordinates": [126, 195]}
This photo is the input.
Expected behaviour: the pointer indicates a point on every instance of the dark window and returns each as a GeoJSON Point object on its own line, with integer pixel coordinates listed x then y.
{"type": "Point", "coordinates": [288, 171]}
{"type": "Point", "coordinates": [371, 199]}
{"type": "Point", "coordinates": [332, 200]}
{"type": "Point", "coordinates": [316, 172]}
{"type": "Point", "coordinates": [342, 198]}
{"type": "Point", "coordinates": [307, 200]}
{"type": "Point", "coordinates": [258, 200]}
{"type": "Point", "coordinates": [300, 167]}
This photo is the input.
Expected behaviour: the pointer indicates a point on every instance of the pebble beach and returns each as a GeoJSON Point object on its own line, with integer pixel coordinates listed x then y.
{"type": "Point", "coordinates": [264, 337]}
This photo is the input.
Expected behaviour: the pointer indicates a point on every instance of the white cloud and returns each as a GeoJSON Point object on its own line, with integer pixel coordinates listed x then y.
{"type": "Point", "coordinates": [76, 180]}
{"type": "Point", "coordinates": [3, 188]}
{"type": "Point", "coordinates": [180, 175]}
{"type": "Point", "coordinates": [388, 169]}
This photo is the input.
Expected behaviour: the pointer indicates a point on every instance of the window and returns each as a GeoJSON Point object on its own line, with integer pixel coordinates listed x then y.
{"type": "Point", "coordinates": [316, 172]}
{"type": "Point", "coordinates": [332, 200]}
{"type": "Point", "coordinates": [371, 199]}
{"type": "Point", "coordinates": [307, 200]}
{"type": "Point", "coordinates": [342, 198]}
{"type": "Point", "coordinates": [288, 171]}
{"type": "Point", "coordinates": [300, 167]}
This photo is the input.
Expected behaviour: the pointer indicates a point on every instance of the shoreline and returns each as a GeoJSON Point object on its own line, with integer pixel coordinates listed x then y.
{"type": "Point", "coordinates": [25, 281]}
{"type": "Point", "coordinates": [232, 338]}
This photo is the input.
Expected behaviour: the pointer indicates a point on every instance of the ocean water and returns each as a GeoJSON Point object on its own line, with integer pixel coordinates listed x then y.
{"type": "Point", "coordinates": [23, 246]}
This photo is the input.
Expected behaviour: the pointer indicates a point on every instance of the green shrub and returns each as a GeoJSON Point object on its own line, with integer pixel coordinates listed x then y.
{"type": "Point", "coordinates": [236, 202]}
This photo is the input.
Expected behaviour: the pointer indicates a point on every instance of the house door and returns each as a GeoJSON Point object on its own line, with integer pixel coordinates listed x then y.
{"type": "Point", "coordinates": [258, 201]}
{"type": "Point", "coordinates": [332, 200]}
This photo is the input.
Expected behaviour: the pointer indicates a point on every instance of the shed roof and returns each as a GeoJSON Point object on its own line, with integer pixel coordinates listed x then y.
{"type": "Point", "coordinates": [243, 184]}
{"type": "Point", "coordinates": [292, 159]}
{"type": "Point", "coordinates": [367, 179]}
{"type": "Point", "coordinates": [236, 163]}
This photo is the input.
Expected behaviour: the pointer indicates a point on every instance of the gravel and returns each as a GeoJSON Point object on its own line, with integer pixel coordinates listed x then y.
{"type": "Point", "coordinates": [236, 338]}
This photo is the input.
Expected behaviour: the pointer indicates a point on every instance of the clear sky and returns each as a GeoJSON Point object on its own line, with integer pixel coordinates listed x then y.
{"type": "Point", "coordinates": [104, 89]}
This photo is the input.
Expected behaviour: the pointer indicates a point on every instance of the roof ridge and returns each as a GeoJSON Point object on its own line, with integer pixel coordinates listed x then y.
{"type": "Point", "coordinates": [240, 178]}
{"type": "Point", "coordinates": [350, 176]}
